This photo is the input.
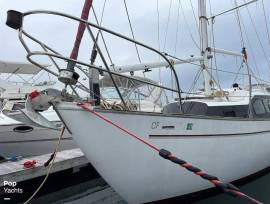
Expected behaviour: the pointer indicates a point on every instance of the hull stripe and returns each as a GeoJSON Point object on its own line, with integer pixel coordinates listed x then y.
{"type": "Point", "coordinates": [40, 140]}
{"type": "Point", "coordinates": [206, 135]}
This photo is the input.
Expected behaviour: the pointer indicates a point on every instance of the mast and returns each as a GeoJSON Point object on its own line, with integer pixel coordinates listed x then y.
{"type": "Point", "coordinates": [204, 46]}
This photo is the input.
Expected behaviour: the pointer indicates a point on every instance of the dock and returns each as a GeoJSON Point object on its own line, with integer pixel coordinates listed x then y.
{"type": "Point", "coordinates": [15, 171]}
{"type": "Point", "coordinates": [96, 190]}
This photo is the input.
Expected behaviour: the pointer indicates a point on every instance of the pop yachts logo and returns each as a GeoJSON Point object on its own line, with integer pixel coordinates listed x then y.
{"type": "Point", "coordinates": [10, 187]}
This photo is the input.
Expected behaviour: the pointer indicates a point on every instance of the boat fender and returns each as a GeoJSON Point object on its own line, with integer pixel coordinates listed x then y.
{"type": "Point", "coordinates": [30, 164]}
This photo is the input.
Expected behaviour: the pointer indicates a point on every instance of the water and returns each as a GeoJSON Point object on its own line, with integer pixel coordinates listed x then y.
{"type": "Point", "coordinates": [80, 194]}
{"type": "Point", "coordinates": [258, 189]}
{"type": "Point", "coordinates": [94, 191]}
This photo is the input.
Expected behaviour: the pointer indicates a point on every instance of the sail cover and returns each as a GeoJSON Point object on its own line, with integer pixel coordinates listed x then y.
{"type": "Point", "coordinates": [18, 68]}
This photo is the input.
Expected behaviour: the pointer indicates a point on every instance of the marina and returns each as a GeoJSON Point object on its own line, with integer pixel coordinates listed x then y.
{"type": "Point", "coordinates": [94, 189]}
{"type": "Point", "coordinates": [115, 103]}
{"type": "Point", "coordinates": [15, 171]}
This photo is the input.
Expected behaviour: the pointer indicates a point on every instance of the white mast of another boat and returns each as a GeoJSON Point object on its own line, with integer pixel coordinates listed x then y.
{"type": "Point", "coordinates": [204, 58]}
{"type": "Point", "coordinates": [204, 45]}
{"type": "Point", "coordinates": [205, 52]}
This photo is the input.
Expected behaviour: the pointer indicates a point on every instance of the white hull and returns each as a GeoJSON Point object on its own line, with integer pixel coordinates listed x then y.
{"type": "Point", "coordinates": [140, 175]}
{"type": "Point", "coordinates": [36, 142]}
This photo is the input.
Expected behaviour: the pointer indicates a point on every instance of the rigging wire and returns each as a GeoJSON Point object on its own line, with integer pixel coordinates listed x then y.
{"type": "Point", "coordinates": [249, 45]}
{"type": "Point", "coordinates": [220, 70]}
{"type": "Point", "coordinates": [241, 34]}
{"type": "Point", "coordinates": [215, 57]}
{"type": "Point", "coordinates": [167, 26]}
{"type": "Point", "coordinates": [196, 78]}
{"type": "Point", "coordinates": [188, 27]}
{"type": "Point", "coordinates": [176, 42]}
{"type": "Point", "coordinates": [239, 69]}
{"type": "Point", "coordinates": [237, 16]}
{"type": "Point", "coordinates": [265, 20]}
{"type": "Point", "coordinates": [210, 34]}
{"type": "Point", "coordinates": [102, 37]}
{"type": "Point", "coordinates": [49, 76]}
{"type": "Point", "coordinates": [37, 76]}
{"type": "Point", "coordinates": [240, 25]}
{"type": "Point", "coordinates": [258, 36]}
{"type": "Point", "coordinates": [131, 29]}
{"type": "Point", "coordinates": [100, 22]}
{"type": "Point", "coordinates": [158, 27]}
{"type": "Point", "coordinates": [158, 35]}
{"type": "Point", "coordinates": [214, 44]}
{"type": "Point", "coordinates": [102, 13]}
{"type": "Point", "coordinates": [194, 15]}
{"type": "Point", "coordinates": [177, 28]}
{"type": "Point", "coordinates": [232, 9]}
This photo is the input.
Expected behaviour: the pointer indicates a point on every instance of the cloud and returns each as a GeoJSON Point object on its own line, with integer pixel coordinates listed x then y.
{"type": "Point", "coordinates": [60, 33]}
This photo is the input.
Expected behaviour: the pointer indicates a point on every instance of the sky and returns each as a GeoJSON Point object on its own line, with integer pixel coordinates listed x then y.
{"type": "Point", "coordinates": [176, 25]}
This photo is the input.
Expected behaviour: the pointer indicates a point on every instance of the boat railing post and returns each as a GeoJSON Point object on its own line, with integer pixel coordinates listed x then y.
{"type": "Point", "coordinates": [105, 64]}
{"type": "Point", "coordinates": [250, 115]}
{"type": "Point", "coordinates": [244, 55]}
{"type": "Point", "coordinates": [94, 87]}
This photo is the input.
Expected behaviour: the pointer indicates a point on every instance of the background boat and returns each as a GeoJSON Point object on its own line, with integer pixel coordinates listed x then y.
{"type": "Point", "coordinates": [206, 139]}
{"type": "Point", "coordinates": [20, 137]}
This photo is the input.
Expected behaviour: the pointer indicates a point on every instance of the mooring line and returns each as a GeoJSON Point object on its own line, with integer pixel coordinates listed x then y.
{"type": "Point", "coordinates": [49, 162]}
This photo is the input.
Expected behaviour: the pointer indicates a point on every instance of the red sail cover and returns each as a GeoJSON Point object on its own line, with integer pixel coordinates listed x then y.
{"type": "Point", "coordinates": [81, 29]}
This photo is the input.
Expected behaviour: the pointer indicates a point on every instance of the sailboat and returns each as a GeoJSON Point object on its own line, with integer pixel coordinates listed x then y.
{"type": "Point", "coordinates": [140, 96]}
{"type": "Point", "coordinates": [223, 131]}
{"type": "Point", "coordinates": [19, 136]}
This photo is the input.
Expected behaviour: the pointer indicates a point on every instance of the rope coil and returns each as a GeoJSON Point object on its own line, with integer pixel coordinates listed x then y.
{"type": "Point", "coordinates": [29, 164]}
